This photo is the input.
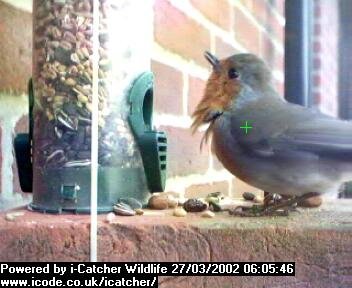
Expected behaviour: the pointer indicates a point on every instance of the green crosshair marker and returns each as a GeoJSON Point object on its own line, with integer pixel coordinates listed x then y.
{"type": "Point", "coordinates": [246, 127]}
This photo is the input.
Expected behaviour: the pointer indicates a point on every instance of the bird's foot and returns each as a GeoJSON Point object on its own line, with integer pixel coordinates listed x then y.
{"type": "Point", "coordinates": [257, 211]}
{"type": "Point", "coordinates": [281, 208]}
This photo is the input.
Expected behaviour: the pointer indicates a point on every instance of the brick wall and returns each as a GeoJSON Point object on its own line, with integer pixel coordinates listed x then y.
{"type": "Point", "coordinates": [15, 71]}
{"type": "Point", "coordinates": [324, 78]}
{"type": "Point", "coordinates": [183, 30]}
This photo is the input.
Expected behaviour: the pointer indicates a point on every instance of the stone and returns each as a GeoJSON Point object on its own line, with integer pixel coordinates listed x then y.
{"type": "Point", "coordinates": [311, 202]}
{"type": "Point", "coordinates": [110, 217]}
{"type": "Point", "coordinates": [172, 202]}
{"type": "Point", "coordinates": [214, 197]}
{"type": "Point", "coordinates": [132, 202]}
{"type": "Point", "coordinates": [248, 196]}
{"type": "Point", "coordinates": [10, 217]}
{"type": "Point", "coordinates": [229, 204]}
{"type": "Point", "coordinates": [179, 212]}
{"type": "Point", "coordinates": [195, 205]}
{"type": "Point", "coordinates": [139, 212]}
{"type": "Point", "coordinates": [212, 200]}
{"type": "Point", "coordinates": [208, 214]}
{"type": "Point", "coordinates": [158, 202]}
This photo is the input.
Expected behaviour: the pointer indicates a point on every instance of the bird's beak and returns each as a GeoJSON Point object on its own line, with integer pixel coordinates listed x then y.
{"type": "Point", "coordinates": [212, 60]}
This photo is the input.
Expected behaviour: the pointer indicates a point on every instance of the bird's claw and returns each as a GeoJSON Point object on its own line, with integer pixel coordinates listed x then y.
{"type": "Point", "coordinates": [259, 211]}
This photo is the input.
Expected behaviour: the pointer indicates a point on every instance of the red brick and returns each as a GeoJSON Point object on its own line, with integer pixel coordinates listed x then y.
{"type": "Point", "coordinates": [168, 89]}
{"type": "Point", "coordinates": [280, 87]}
{"type": "Point", "coordinates": [202, 190]}
{"type": "Point", "coordinates": [260, 11]}
{"type": "Point", "coordinates": [322, 252]}
{"type": "Point", "coordinates": [316, 63]}
{"type": "Point", "coordinates": [280, 7]}
{"type": "Point", "coordinates": [272, 57]}
{"type": "Point", "coordinates": [265, 15]}
{"type": "Point", "coordinates": [22, 126]}
{"type": "Point", "coordinates": [317, 29]}
{"type": "Point", "coordinates": [317, 98]}
{"type": "Point", "coordinates": [317, 10]}
{"type": "Point", "coordinates": [268, 50]}
{"type": "Point", "coordinates": [279, 62]}
{"type": "Point", "coordinates": [248, 4]}
{"type": "Point", "coordinates": [316, 80]}
{"type": "Point", "coordinates": [195, 93]}
{"type": "Point", "coordinates": [217, 11]}
{"type": "Point", "coordinates": [223, 49]}
{"type": "Point", "coordinates": [15, 48]}
{"type": "Point", "coordinates": [176, 32]}
{"type": "Point", "coordinates": [275, 28]}
{"type": "Point", "coordinates": [184, 152]}
{"type": "Point", "coordinates": [246, 32]}
{"type": "Point", "coordinates": [217, 165]}
{"type": "Point", "coordinates": [316, 47]}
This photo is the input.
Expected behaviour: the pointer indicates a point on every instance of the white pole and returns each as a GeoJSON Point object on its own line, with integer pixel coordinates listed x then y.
{"type": "Point", "coordinates": [95, 136]}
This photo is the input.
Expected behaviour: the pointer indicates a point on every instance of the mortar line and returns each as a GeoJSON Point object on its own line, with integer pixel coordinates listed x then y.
{"type": "Point", "coordinates": [7, 159]}
{"type": "Point", "coordinates": [95, 136]}
{"type": "Point", "coordinates": [185, 91]}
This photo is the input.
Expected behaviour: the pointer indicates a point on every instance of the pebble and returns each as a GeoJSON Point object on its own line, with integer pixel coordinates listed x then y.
{"type": "Point", "coordinates": [311, 202]}
{"type": "Point", "coordinates": [139, 211]}
{"type": "Point", "coordinates": [82, 98]}
{"type": "Point", "coordinates": [195, 205]}
{"type": "Point", "coordinates": [179, 212]}
{"type": "Point", "coordinates": [132, 202]}
{"type": "Point", "coordinates": [158, 202]}
{"type": "Point", "coordinates": [212, 200]}
{"type": "Point", "coordinates": [172, 201]}
{"type": "Point", "coordinates": [123, 210]}
{"type": "Point", "coordinates": [110, 217]}
{"type": "Point", "coordinates": [248, 196]}
{"type": "Point", "coordinates": [208, 214]}
{"type": "Point", "coordinates": [11, 217]}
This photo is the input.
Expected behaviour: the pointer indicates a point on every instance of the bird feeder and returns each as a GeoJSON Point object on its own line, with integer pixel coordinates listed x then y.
{"type": "Point", "coordinates": [54, 159]}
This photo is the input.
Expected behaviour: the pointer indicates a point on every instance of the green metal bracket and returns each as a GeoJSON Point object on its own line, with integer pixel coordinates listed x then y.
{"type": "Point", "coordinates": [152, 144]}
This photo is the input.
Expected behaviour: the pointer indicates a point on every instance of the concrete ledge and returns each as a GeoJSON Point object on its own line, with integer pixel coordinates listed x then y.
{"type": "Point", "coordinates": [318, 240]}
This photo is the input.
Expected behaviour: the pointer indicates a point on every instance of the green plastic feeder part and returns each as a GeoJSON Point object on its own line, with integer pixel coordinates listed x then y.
{"type": "Point", "coordinates": [152, 144]}
{"type": "Point", "coordinates": [68, 189]}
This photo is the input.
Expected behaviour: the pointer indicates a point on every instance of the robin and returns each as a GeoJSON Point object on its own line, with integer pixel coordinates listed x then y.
{"type": "Point", "coordinates": [267, 142]}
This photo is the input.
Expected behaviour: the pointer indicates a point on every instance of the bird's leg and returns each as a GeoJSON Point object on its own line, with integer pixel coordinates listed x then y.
{"type": "Point", "coordinates": [281, 208]}
{"type": "Point", "coordinates": [271, 199]}
{"type": "Point", "coordinates": [267, 199]}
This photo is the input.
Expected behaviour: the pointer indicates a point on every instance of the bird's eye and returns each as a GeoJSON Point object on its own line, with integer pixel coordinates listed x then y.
{"type": "Point", "coordinates": [233, 73]}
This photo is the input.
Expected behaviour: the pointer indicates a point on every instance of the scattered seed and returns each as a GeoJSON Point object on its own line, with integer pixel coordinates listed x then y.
{"type": "Point", "coordinates": [180, 212]}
